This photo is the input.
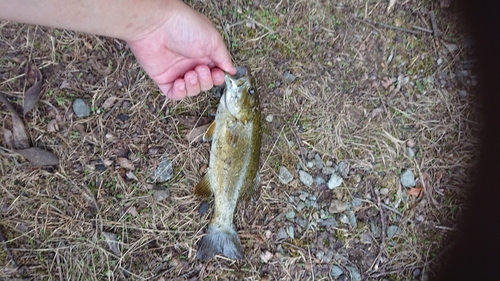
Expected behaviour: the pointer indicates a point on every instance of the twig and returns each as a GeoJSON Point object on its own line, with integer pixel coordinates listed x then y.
{"type": "Point", "coordinates": [58, 260]}
{"type": "Point", "coordinates": [435, 28]}
{"type": "Point", "coordinates": [422, 29]}
{"type": "Point", "coordinates": [369, 22]}
{"type": "Point", "coordinates": [7, 250]}
{"type": "Point", "coordinates": [382, 234]}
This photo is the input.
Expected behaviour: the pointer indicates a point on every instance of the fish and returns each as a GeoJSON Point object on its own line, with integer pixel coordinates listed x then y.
{"type": "Point", "coordinates": [233, 172]}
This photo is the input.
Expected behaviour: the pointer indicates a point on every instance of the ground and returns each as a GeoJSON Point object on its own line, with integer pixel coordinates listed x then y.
{"type": "Point", "coordinates": [373, 87]}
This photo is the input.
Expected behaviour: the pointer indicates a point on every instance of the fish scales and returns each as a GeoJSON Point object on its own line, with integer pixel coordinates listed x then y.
{"type": "Point", "coordinates": [232, 175]}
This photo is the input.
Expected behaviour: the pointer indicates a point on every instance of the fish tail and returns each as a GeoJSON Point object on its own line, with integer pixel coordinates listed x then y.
{"type": "Point", "coordinates": [222, 241]}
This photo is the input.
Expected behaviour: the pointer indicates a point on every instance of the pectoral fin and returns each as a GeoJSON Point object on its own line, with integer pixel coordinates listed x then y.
{"type": "Point", "coordinates": [209, 134]}
{"type": "Point", "coordinates": [203, 189]}
{"type": "Point", "coordinates": [252, 193]}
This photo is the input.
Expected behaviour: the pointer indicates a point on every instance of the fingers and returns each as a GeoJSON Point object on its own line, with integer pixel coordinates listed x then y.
{"type": "Point", "coordinates": [202, 78]}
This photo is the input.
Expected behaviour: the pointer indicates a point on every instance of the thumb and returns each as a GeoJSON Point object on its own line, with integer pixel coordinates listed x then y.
{"type": "Point", "coordinates": [220, 56]}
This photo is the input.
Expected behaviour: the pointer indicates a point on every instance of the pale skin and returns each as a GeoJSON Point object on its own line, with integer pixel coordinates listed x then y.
{"type": "Point", "coordinates": [178, 47]}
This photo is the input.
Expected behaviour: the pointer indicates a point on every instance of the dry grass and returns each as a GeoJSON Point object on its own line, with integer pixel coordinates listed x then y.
{"type": "Point", "coordinates": [339, 106]}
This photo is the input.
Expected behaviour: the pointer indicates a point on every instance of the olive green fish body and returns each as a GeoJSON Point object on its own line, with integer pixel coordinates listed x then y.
{"type": "Point", "coordinates": [234, 162]}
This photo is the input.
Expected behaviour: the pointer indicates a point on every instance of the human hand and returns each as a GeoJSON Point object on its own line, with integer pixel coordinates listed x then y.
{"type": "Point", "coordinates": [184, 55]}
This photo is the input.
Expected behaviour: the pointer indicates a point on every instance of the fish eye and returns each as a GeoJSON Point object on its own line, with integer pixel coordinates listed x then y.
{"type": "Point", "coordinates": [251, 91]}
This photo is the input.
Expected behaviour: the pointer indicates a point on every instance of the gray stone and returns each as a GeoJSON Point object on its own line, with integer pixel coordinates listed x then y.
{"type": "Point", "coordinates": [462, 94]}
{"type": "Point", "coordinates": [365, 238]}
{"type": "Point", "coordinates": [408, 178]}
{"type": "Point", "coordinates": [164, 171]}
{"type": "Point", "coordinates": [356, 202]}
{"type": "Point", "coordinates": [301, 205]}
{"type": "Point", "coordinates": [384, 191]}
{"type": "Point", "coordinates": [392, 230]}
{"type": "Point", "coordinates": [290, 215]}
{"type": "Point", "coordinates": [343, 168]}
{"type": "Point", "coordinates": [160, 193]}
{"type": "Point", "coordinates": [81, 108]}
{"type": "Point", "coordinates": [335, 181]}
{"type": "Point", "coordinates": [281, 235]}
{"type": "Point", "coordinates": [328, 170]}
{"type": "Point", "coordinates": [320, 180]}
{"type": "Point", "coordinates": [328, 163]}
{"type": "Point", "coordinates": [320, 254]}
{"type": "Point", "coordinates": [344, 219]}
{"type": "Point", "coordinates": [318, 161]}
{"type": "Point", "coordinates": [203, 208]}
{"type": "Point", "coordinates": [354, 272]}
{"type": "Point", "coordinates": [352, 219]}
{"type": "Point", "coordinates": [289, 76]}
{"type": "Point", "coordinates": [327, 258]}
{"type": "Point", "coordinates": [331, 222]}
{"type": "Point", "coordinates": [301, 222]}
{"type": "Point", "coordinates": [375, 229]}
{"type": "Point", "coordinates": [269, 118]}
{"type": "Point", "coordinates": [303, 196]}
{"type": "Point", "coordinates": [336, 271]}
{"type": "Point", "coordinates": [305, 178]}
{"type": "Point", "coordinates": [337, 206]}
{"type": "Point", "coordinates": [411, 153]}
{"type": "Point", "coordinates": [284, 175]}
{"type": "Point", "coordinates": [290, 231]}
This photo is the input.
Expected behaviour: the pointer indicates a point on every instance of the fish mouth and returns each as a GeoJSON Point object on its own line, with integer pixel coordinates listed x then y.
{"type": "Point", "coordinates": [235, 83]}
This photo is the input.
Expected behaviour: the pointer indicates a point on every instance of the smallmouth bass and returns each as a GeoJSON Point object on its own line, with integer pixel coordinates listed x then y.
{"type": "Point", "coordinates": [232, 175]}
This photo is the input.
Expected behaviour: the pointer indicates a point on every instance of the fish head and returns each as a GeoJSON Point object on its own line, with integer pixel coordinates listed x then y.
{"type": "Point", "coordinates": [241, 97]}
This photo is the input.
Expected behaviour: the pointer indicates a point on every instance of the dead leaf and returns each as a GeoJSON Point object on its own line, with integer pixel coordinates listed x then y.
{"type": "Point", "coordinates": [376, 112]}
{"type": "Point", "coordinates": [39, 157]}
{"type": "Point", "coordinates": [52, 127]}
{"type": "Point", "coordinates": [197, 133]}
{"type": "Point", "coordinates": [192, 121]}
{"type": "Point", "coordinates": [20, 136]}
{"type": "Point", "coordinates": [33, 77]}
{"type": "Point", "coordinates": [108, 103]}
{"type": "Point", "coordinates": [125, 163]}
{"type": "Point", "coordinates": [7, 138]}
{"type": "Point", "coordinates": [416, 191]}
{"type": "Point", "coordinates": [266, 256]}
{"type": "Point", "coordinates": [133, 211]}
{"type": "Point", "coordinates": [112, 241]}
{"type": "Point", "coordinates": [131, 176]}
{"type": "Point", "coordinates": [386, 82]}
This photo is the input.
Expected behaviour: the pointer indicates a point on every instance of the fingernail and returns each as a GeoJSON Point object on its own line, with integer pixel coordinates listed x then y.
{"type": "Point", "coordinates": [193, 80]}
{"type": "Point", "coordinates": [182, 87]}
{"type": "Point", "coordinates": [203, 73]}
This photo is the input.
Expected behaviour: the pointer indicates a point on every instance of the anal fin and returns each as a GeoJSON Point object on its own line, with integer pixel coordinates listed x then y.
{"type": "Point", "coordinates": [209, 134]}
{"type": "Point", "coordinates": [203, 189]}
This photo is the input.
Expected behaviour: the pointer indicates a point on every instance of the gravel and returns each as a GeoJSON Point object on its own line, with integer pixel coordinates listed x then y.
{"type": "Point", "coordinates": [164, 171]}
{"type": "Point", "coordinates": [306, 178]}
{"type": "Point", "coordinates": [337, 206]}
{"type": "Point", "coordinates": [160, 193]}
{"type": "Point", "coordinates": [408, 178]}
{"type": "Point", "coordinates": [336, 271]}
{"type": "Point", "coordinates": [81, 108]}
{"type": "Point", "coordinates": [335, 181]}
{"type": "Point", "coordinates": [284, 175]}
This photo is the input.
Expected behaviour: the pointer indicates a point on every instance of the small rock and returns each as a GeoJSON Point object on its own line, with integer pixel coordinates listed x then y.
{"type": "Point", "coordinates": [320, 254]}
{"type": "Point", "coordinates": [354, 272]}
{"type": "Point", "coordinates": [301, 205]}
{"type": "Point", "coordinates": [164, 172]}
{"type": "Point", "coordinates": [335, 181]}
{"type": "Point", "coordinates": [336, 271]}
{"type": "Point", "coordinates": [284, 175]}
{"type": "Point", "coordinates": [331, 222]}
{"type": "Point", "coordinates": [301, 222]}
{"type": "Point", "coordinates": [303, 196]}
{"type": "Point", "coordinates": [290, 215]}
{"type": "Point", "coordinates": [337, 206]}
{"type": "Point", "coordinates": [375, 229]}
{"type": "Point", "coordinates": [318, 161]}
{"type": "Point", "coordinates": [327, 258]}
{"type": "Point", "coordinates": [328, 170]}
{"type": "Point", "coordinates": [411, 143]}
{"type": "Point", "coordinates": [289, 76]}
{"type": "Point", "coordinates": [305, 178]}
{"type": "Point", "coordinates": [343, 168]}
{"type": "Point", "coordinates": [392, 230]}
{"type": "Point", "coordinates": [81, 108]}
{"type": "Point", "coordinates": [328, 163]}
{"type": "Point", "coordinates": [411, 153]}
{"type": "Point", "coordinates": [365, 238]}
{"type": "Point", "coordinates": [123, 117]}
{"type": "Point", "coordinates": [281, 235]}
{"type": "Point", "coordinates": [310, 165]}
{"type": "Point", "coordinates": [342, 278]}
{"type": "Point", "coordinates": [408, 178]}
{"type": "Point", "coordinates": [203, 208]}
{"type": "Point", "coordinates": [160, 193]}
{"type": "Point", "coordinates": [269, 118]}
{"type": "Point", "coordinates": [384, 191]}
{"type": "Point", "coordinates": [462, 94]}
{"type": "Point", "coordinates": [344, 219]}
{"type": "Point", "coordinates": [290, 231]}
{"type": "Point", "coordinates": [356, 202]}
{"type": "Point", "coordinates": [352, 219]}
{"type": "Point", "coordinates": [320, 181]}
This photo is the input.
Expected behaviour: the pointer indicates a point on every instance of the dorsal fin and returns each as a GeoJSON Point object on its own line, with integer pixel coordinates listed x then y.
{"type": "Point", "coordinates": [203, 188]}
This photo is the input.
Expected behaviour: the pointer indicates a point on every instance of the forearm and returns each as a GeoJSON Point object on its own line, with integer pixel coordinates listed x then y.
{"type": "Point", "coordinates": [124, 19]}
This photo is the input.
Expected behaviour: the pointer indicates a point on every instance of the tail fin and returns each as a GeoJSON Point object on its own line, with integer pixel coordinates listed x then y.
{"type": "Point", "coordinates": [220, 241]}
